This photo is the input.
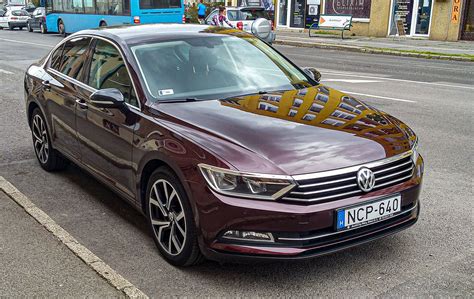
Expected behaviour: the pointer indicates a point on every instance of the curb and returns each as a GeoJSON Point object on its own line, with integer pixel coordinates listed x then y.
{"type": "Point", "coordinates": [89, 258]}
{"type": "Point", "coordinates": [369, 50]}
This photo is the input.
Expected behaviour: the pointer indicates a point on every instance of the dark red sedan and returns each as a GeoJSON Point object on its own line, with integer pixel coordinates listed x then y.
{"type": "Point", "coordinates": [229, 149]}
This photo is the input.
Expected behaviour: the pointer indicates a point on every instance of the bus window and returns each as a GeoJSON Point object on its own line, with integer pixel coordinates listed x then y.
{"type": "Point", "coordinates": [57, 5]}
{"type": "Point", "coordinates": [153, 4]}
{"type": "Point", "coordinates": [89, 6]}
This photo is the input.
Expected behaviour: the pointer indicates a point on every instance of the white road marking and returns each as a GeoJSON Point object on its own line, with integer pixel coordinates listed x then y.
{"type": "Point", "coordinates": [91, 260]}
{"type": "Point", "coordinates": [27, 43]}
{"type": "Point", "coordinates": [351, 80]}
{"type": "Point", "coordinates": [379, 97]}
{"type": "Point", "coordinates": [5, 72]}
{"type": "Point", "coordinates": [398, 80]}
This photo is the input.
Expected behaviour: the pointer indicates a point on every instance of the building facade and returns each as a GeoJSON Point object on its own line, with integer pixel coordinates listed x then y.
{"type": "Point", "coordinates": [435, 19]}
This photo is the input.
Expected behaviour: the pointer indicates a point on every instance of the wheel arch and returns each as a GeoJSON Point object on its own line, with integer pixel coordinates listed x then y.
{"type": "Point", "coordinates": [153, 162]}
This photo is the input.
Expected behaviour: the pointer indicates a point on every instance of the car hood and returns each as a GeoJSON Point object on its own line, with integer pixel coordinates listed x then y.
{"type": "Point", "coordinates": [290, 132]}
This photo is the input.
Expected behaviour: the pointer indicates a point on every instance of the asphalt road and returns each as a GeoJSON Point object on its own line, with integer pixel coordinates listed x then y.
{"type": "Point", "coordinates": [435, 257]}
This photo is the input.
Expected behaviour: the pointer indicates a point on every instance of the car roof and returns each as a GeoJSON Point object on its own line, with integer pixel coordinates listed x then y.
{"type": "Point", "coordinates": [140, 34]}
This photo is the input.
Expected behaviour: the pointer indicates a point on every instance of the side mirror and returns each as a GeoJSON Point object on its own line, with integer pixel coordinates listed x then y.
{"type": "Point", "coordinates": [313, 73]}
{"type": "Point", "coordinates": [107, 98]}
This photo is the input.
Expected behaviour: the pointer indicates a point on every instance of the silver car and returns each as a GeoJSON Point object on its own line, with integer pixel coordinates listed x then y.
{"type": "Point", "coordinates": [243, 18]}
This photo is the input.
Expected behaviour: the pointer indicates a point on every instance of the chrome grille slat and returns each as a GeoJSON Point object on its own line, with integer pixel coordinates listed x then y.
{"type": "Point", "coordinates": [325, 190]}
{"type": "Point", "coordinates": [326, 183]}
{"type": "Point", "coordinates": [322, 198]}
{"type": "Point", "coordinates": [392, 168]}
{"type": "Point", "coordinates": [393, 174]}
{"type": "Point", "coordinates": [341, 183]}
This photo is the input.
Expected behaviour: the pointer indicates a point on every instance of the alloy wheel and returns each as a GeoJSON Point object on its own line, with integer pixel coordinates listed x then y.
{"type": "Point", "coordinates": [167, 217]}
{"type": "Point", "coordinates": [40, 139]}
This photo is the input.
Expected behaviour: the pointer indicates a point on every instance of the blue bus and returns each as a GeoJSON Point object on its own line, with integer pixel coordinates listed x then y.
{"type": "Point", "coordinates": [68, 16]}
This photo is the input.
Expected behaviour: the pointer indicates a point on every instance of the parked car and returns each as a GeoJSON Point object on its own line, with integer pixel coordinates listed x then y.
{"type": "Point", "coordinates": [228, 148]}
{"type": "Point", "coordinates": [243, 18]}
{"type": "Point", "coordinates": [38, 20]}
{"type": "Point", "coordinates": [13, 18]}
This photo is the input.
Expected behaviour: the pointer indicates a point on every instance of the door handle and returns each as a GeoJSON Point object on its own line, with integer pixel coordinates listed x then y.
{"type": "Point", "coordinates": [81, 103]}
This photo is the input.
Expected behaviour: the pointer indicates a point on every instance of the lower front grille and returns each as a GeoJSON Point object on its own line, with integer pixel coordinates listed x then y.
{"type": "Point", "coordinates": [342, 183]}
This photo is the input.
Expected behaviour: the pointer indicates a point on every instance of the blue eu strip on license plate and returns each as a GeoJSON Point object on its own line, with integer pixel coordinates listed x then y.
{"type": "Point", "coordinates": [365, 214]}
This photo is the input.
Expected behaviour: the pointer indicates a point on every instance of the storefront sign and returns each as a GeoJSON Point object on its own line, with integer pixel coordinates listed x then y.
{"type": "Point", "coordinates": [334, 21]}
{"type": "Point", "coordinates": [356, 8]}
{"type": "Point", "coordinates": [455, 12]}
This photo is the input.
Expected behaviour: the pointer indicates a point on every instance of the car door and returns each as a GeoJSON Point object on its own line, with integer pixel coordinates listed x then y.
{"type": "Point", "coordinates": [106, 134]}
{"type": "Point", "coordinates": [34, 21]}
{"type": "Point", "coordinates": [62, 90]}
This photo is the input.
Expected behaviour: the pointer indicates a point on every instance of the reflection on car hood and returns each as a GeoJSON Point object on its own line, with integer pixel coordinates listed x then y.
{"type": "Point", "coordinates": [293, 132]}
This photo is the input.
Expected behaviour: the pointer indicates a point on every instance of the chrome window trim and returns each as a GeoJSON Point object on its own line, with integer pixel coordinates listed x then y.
{"type": "Point", "coordinates": [329, 173]}
{"type": "Point", "coordinates": [339, 232]}
{"type": "Point", "coordinates": [81, 84]}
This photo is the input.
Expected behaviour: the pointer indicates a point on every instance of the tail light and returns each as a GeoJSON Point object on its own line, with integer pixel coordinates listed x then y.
{"type": "Point", "coordinates": [136, 20]}
{"type": "Point", "coordinates": [184, 19]}
{"type": "Point", "coordinates": [240, 25]}
{"type": "Point", "coordinates": [13, 18]}
{"type": "Point", "coordinates": [271, 22]}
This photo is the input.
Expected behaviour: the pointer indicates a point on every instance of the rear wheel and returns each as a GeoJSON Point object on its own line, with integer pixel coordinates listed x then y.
{"type": "Point", "coordinates": [43, 28]}
{"type": "Point", "coordinates": [62, 28]}
{"type": "Point", "coordinates": [28, 25]}
{"type": "Point", "coordinates": [171, 220]}
{"type": "Point", "coordinates": [49, 158]}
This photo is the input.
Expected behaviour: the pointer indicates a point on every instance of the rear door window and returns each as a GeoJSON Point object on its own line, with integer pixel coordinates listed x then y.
{"type": "Point", "coordinates": [251, 15]}
{"type": "Point", "coordinates": [73, 58]}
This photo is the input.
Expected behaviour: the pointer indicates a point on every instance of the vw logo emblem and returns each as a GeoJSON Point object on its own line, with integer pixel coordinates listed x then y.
{"type": "Point", "coordinates": [365, 179]}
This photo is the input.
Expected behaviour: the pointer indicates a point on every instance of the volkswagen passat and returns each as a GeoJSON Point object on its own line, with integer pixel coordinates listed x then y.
{"type": "Point", "coordinates": [229, 149]}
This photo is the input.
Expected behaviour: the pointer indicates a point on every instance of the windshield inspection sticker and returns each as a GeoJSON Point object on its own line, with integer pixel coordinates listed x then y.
{"type": "Point", "coordinates": [165, 92]}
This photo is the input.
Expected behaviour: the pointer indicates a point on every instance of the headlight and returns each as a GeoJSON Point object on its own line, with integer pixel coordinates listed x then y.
{"type": "Point", "coordinates": [414, 149]}
{"type": "Point", "coordinates": [258, 186]}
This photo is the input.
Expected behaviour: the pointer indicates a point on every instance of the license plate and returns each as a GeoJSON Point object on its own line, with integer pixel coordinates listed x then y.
{"type": "Point", "coordinates": [369, 213]}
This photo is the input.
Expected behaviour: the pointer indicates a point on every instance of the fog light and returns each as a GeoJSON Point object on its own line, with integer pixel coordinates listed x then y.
{"type": "Point", "coordinates": [248, 236]}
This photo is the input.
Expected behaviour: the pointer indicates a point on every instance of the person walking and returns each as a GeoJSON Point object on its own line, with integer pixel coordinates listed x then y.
{"type": "Point", "coordinates": [220, 18]}
{"type": "Point", "coordinates": [201, 11]}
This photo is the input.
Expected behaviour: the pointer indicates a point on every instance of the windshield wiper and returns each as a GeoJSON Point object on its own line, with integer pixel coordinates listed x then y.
{"type": "Point", "coordinates": [190, 99]}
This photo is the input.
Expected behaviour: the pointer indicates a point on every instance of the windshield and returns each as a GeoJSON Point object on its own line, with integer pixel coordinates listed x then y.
{"type": "Point", "coordinates": [214, 66]}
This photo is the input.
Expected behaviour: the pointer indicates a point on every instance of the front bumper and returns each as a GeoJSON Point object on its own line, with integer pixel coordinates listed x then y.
{"type": "Point", "coordinates": [300, 231]}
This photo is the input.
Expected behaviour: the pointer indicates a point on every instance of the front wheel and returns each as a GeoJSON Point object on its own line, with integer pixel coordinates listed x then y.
{"type": "Point", "coordinates": [62, 28]}
{"type": "Point", "coordinates": [43, 29]}
{"type": "Point", "coordinates": [171, 220]}
{"type": "Point", "coordinates": [48, 157]}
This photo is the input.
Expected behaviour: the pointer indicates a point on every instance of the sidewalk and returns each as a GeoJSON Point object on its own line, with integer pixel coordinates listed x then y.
{"type": "Point", "coordinates": [460, 50]}
{"type": "Point", "coordinates": [33, 263]}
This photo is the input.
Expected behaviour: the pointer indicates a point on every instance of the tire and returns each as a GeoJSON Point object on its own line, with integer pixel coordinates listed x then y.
{"type": "Point", "coordinates": [10, 26]}
{"type": "Point", "coordinates": [170, 219]}
{"type": "Point", "coordinates": [62, 28]}
{"type": "Point", "coordinates": [49, 158]}
{"type": "Point", "coordinates": [43, 29]}
{"type": "Point", "coordinates": [21, 28]}
{"type": "Point", "coordinates": [28, 25]}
